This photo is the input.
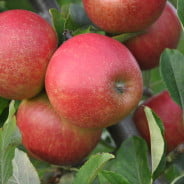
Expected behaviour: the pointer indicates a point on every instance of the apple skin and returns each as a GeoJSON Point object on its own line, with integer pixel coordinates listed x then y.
{"type": "Point", "coordinates": [171, 115]}
{"type": "Point", "coordinates": [164, 33]}
{"type": "Point", "coordinates": [48, 138]}
{"type": "Point", "coordinates": [93, 81]}
{"type": "Point", "coordinates": [27, 43]}
{"type": "Point", "coordinates": [120, 16]}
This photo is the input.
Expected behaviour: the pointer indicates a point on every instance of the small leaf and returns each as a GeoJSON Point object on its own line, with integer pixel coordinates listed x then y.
{"type": "Point", "coordinates": [58, 23]}
{"type": "Point", "coordinates": [23, 170]}
{"type": "Point", "coordinates": [132, 161]}
{"type": "Point", "coordinates": [114, 178]}
{"type": "Point", "coordinates": [172, 72]}
{"type": "Point", "coordinates": [89, 29]}
{"type": "Point", "coordinates": [178, 180]}
{"type": "Point", "coordinates": [9, 138]}
{"type": "Point", "coordinates": [126, 36]}
{"type": "Point", "coordinates": [89, 171]}
{"type": "Point", "coordinates": [157, 142]}
{"type": "Point", "coordinates": [180, 9]}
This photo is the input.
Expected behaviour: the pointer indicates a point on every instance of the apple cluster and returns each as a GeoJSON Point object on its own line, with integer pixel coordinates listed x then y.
{"type": "Point", "coordinates": [69, 93]}
{"type": "Point", "coordinates": [156, 21]}
{"type": "Point", "coordinates": [157, 27]}
{"type": "Point", "coordinates": [90, 83]}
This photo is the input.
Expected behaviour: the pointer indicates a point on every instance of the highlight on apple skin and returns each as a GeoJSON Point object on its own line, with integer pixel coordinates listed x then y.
{"type": "Point", "coordinates": [47, 137]}
{"type": "Point", "coordinates": [171, 115]}
{"type": "Point", "coordinates": [93, 81]}
{"type": "Point", "coordinates": [164, 33]}
{"type": "Point", "coordinates": [27, 43]}
{"type": "Point", "coordinates": [123, 16]}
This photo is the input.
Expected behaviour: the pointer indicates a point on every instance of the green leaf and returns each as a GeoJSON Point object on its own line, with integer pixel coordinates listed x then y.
{"type": "Point", "coordinates": [89, 29]}
{"type": "Point", "coordinates": [132, 161]}
{"type": "Point", "coordinates": [180, 9]}
{"type": "Point", "coordinates": [3, 104]}
{"type": "Point", "coordinates": [89, 171]}
{"type": "Point", "coordinates": [172, 72]}
{"type": "Point", "coordinates": [178, 180]}
{"type": "Point", "coordinates": [157, 142]}
{"type": "Point", "coordinates": [23, 170]}
{"type": "Point", "coordinates": [70, 23]}
{"type": "Point", "coordinates": [113, 178]}
{"type": "Point", "coordinates": [173, 171]}
{"type": "Point", "coordinates": [58, 22]}
{"type": "Point", "coordinates": [9, 138]}
{"type": "Point", "coordinates": [126, 36]}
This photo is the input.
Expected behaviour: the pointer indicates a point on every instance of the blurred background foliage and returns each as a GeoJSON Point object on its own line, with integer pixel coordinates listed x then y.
{"type": "Point", "coordinates": [152, 80]}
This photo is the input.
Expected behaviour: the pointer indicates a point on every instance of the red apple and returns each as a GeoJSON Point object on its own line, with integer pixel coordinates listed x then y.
{"type": "Point", "coordinates": [51, 139]}
{"type": "Point", "coordinates": [119, 16]}
{"type": "Point", "coordinates": [164, 33]}
{"type": "Point", "coordinates": [27, 43]}
{"type": "Point", "coordinates": [93, 81]}
{"type": "Point", "coordinates": [171, 115]}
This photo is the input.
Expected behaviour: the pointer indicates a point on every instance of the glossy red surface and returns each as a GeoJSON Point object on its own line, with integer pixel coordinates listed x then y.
{"type": "Point", "coordinates": [164, 33]}
{"type": "Point", "coordinates": [83, 76]}
{"type": "Point", "coordinates": [171, 115]}
{"type": "Point", "coordinates": [27, 43]}
{"type": "Point", "coordinates": [120, 16]}
{"type": "Point", "coordinates": [51, 139]}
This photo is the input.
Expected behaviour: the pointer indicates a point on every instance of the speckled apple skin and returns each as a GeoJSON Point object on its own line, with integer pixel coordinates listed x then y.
{"type": "Point", "coordinates": [81, 81]}
{"type": "Point", "coordinates": [48, 138]}
{"type": "Point", "coordinates": [27, 43]}
{"type": "Point", "coordinates": [120, 16]}
{"type": "Point", "coordinates": [164, 33]}
{"type": "Point", "coordinates": [171, 115]}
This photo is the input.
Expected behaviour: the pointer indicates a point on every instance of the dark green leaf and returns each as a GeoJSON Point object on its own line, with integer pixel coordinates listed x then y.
{"type": "Point", "coordinates": [172, 172]}
{"type": "Point", "coordinates": [132, 161]}
{"type": "Point", "coordinates": [157, 138]}
{"type": "Point", "coordinates": [23, 170]}
{"type": "Point", "coordinates": [179, 180]}
{"type": "Point", "coordinates": [58, 23]}
{"type": "Point", "coordinates": [113, 178]}
{"type": "Point", "coordinates": [180, 8]}
{"type": "Point", "coordinates": [172, 72]}
{"type": "Point", "coordinates": [19, 4]}
{"type": "Point", "coordinates": [65, 2]}
{"type": "Point", "coordinates": [126, 36]}
{"type": "Point", "coordinates": [9, 138]}
{"type": "Point", "coordinates": [89, 171]}
{"type": "Point", "coordinates": [89, 29]}
{"type": "Point", "coordinates": [3, 104]}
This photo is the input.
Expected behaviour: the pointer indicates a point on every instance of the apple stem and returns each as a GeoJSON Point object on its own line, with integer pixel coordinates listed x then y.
{"type": "Point", "coordinates": [67, 34]}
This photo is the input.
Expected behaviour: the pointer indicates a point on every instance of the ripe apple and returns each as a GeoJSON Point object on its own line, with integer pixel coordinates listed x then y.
{"type": "Point", "coordinates": [27, 43]}
{"type": "Point", "coordinates": [164, 33]}
{"type": "Point", "coordinates": [51, 139]}
{"type": "Point", "coordinates": [120, 16]}
{"type": "Point", "coordinates": [171, 115]}
{"type": "Point", "coordinates": [93, 81]}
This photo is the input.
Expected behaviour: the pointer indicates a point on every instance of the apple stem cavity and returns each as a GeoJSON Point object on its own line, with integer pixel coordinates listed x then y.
{"type": "Point", "coordinates": [119, 86]}
{"type": "Point", "coordinates": [67, 34]}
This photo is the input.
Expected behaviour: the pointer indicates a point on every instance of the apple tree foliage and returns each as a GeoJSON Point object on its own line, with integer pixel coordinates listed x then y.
{"type": "Point", "coordinates": [132, 162]}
